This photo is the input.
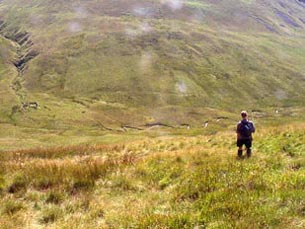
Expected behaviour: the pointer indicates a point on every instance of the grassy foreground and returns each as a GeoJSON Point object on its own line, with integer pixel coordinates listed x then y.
{"type": "Point", "coordinates": [165, 182]}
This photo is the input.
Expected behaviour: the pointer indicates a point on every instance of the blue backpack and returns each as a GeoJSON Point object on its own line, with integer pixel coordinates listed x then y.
{"type": "Point", "coordinates": [246, 128]}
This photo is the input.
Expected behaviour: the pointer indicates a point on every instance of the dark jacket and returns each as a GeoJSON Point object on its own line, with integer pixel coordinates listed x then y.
{"type": "Point", "coordinates": [240, 126]}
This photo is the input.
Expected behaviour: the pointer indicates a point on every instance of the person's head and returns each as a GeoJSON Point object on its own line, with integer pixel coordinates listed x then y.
{"type": "Point", "coordinates": [244, 114]}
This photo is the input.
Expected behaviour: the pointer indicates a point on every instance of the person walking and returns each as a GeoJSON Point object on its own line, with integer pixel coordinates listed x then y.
{"type": "Point", "coordinates": [244, 131]}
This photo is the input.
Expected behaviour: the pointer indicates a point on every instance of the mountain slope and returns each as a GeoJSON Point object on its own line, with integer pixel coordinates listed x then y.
{"type": "Point", "coordinates": [137, 62]}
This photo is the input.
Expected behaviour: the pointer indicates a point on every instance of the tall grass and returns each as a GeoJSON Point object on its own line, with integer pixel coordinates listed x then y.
{"type": "Point", "coordinates": [178, 182]}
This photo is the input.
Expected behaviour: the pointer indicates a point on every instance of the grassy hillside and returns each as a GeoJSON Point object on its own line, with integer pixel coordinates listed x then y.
{"type": "Point", "coordinates": [131, 62]}
{"type": "Point", "coordinates": [166, 182]}
{"type": "Point", "coordinates": [117, 114]}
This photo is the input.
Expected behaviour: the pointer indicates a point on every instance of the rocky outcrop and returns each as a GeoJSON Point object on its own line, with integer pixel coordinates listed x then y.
{"type": "Point", "coordinates": [24, 54]}
{"type": "Point", "coordinates": [22, 39]}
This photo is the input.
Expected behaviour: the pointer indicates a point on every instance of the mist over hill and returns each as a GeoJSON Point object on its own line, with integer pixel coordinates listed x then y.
{"type": "Point", "coordinates": [138, 62]}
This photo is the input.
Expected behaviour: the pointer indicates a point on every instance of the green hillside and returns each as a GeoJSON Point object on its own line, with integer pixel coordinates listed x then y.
{"type": "Point", "coordinates": [138, 62]}
{"type": "Point", "coordinates": [122, 113]}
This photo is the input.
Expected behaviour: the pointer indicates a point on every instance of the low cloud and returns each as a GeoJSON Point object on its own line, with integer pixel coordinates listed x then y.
{"type": "Point", "coordinates": [80, 12]}
{"type": "Point", "coordinates": [133, 32]}
{"type": "Point", "coordinates": [143, 11]}
{"type": "Point", "coordinates": [173, 4]}
{"type": "Point", "coordinates": [74, 27]}
{"type": "Point", "coordinates": [181, 87]}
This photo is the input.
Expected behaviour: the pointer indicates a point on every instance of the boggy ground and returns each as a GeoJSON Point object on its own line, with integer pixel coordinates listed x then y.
{"type": "Point", "coordinates": [164, 182]}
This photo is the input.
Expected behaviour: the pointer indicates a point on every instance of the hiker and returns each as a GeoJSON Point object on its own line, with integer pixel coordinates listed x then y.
{"type": "Point", "coordinates": [244, 131]}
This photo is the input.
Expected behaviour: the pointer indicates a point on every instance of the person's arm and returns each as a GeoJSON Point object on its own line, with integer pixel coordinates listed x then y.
{"type": "Point", "coordinates": [238, 130]}
{"type": "Point", "coordinates": [253, 128]}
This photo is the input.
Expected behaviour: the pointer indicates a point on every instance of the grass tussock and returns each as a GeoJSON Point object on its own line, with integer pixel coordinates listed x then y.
{"type": "Point", "coordinates": [11, 206]}
{"type": "Point", "coordinates": [177, 182]}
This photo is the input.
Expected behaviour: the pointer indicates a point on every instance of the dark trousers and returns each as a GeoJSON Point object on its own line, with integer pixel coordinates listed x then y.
{"type": "Point", "coordinates": [247, 143]}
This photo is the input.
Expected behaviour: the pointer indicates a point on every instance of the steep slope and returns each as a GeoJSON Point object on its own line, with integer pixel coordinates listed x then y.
{"type": "Point", "coordinates": [7, 75]}
{"type": "Point", "coordinates": [132, 61]}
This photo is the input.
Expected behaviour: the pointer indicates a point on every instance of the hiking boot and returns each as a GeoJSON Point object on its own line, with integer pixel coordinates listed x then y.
{"type": "Point", "coordinates": [240, 153]}
{"type": "Point", "coordinates": [249, 153]}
